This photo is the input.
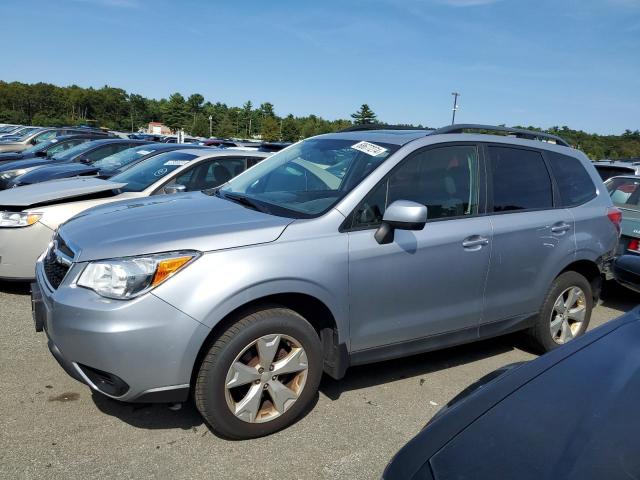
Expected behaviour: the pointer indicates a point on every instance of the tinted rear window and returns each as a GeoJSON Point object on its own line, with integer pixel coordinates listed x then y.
{"type": "Point", "coordinates": [607, 172]}
{"type": "Point", "coordinates": [520, 180]}
{"type": "Point", "coordinates": [574, 183]}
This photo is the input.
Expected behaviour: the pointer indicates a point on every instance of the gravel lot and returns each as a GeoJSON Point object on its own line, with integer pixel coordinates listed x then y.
{"type": "Point", "coordinates": [53, 427]}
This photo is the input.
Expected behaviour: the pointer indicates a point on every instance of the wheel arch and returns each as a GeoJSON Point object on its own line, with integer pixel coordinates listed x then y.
{"type": "Point", "coordinates": [591, 270]}
{"type": "Point", "coordinates": [314, 310]}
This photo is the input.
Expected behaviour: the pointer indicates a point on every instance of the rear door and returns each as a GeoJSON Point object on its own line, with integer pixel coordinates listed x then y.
{"type": "Point", "coordinates": [532, 234]}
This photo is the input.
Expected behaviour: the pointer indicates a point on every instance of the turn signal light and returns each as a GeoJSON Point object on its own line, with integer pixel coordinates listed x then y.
{"type": "Point", "coordinates": [634, 245]}
{"type": "Point", "coordinates": [168, 267]}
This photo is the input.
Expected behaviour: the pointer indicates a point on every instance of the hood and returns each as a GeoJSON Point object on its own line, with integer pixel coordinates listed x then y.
{"type": "Point", "coordinates": [29, 162]}
{"type": "Point", "coordinates": [53, 172]}
{"type": "Point", "coordinates": [190, 221]}
{"type": "Point", "coordinates": [53, 192]}
{"type": "Point", "coordinates": [11, 156]}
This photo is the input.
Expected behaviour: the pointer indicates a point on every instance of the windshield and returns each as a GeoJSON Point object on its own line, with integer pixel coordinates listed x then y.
{"type": "Point", "coordinates": [24, 132]}
{"type": "Point", "coordinates": [40, 146]}
{"type": "Point", "coordinates": [122, 159]}
{"type": "Point", "coordinates": [310, 177]}
{"type": "Point", "coordinates": [74, 151]}
{"type": "Point", "coordinates": [144, 174]}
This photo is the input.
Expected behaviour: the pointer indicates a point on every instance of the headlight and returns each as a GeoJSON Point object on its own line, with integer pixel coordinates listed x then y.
{"type": "Point", "coordinates": [131, 277]}
{"type": "Point", "coordinates": [18, 219]}
{"type": "Point", "coordinates": [14, 173]}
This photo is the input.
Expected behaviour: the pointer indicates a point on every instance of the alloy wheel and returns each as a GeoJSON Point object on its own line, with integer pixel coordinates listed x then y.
{"type": "Point", "coordinates": [568, 314]}
{"type": "Point", "coordinates": [266, 378]}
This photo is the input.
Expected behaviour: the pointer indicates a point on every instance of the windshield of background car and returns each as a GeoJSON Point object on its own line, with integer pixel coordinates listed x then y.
{"type": "Point", "coordinates": [41, 146]}
{"type": "Point", "coordinates": [310, 177]}
{"type": "Point", "coordinates": [625, 192]}
{"type": "Point", "coordinates": [74, 151]}
{"type": "Point", "coordinates": [149, 171]}
{"type": "Point", "coordinates": [124, 158]}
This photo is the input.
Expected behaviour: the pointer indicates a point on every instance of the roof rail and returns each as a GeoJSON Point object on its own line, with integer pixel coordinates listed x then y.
{"type": "Point", "coordinates": [380, 126]}
{"type": "Point", "coordinates": [518, 132]}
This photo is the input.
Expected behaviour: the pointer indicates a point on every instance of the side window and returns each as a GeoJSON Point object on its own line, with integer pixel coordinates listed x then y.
{"type": "Point", "coordinates": [210, 174]}
{"type": "Point", "coordinates": [574, 183]}
{"type": "Point", "coordinates": [444, 179]}
{"type": "Point", "coordinates": [520, 180]}
{"type": "Point", "coordinates": [624, 192]}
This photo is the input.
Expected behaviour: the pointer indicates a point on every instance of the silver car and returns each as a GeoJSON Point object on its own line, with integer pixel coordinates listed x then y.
{"type": "Point", "coordinates": [343, 249]}
{"type": "Point", "coordinates": [30, 214]}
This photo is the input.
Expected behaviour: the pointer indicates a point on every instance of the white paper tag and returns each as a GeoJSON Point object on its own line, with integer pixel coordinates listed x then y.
{"type": "Point", "coordinates": [144, 152]}
{"type": "Point", "coordinates": [178, 163]}
{"type": "Point", "coordinates": [53, 140]}
{"type": "Point", "coordinates": [369, 148]}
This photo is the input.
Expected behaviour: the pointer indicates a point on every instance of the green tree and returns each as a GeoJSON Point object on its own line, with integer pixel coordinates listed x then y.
{"type": "Point", "coordinates": [200, 126]}
{"type": "Point", "coordinates": [364, 115]}
{"type": "Point", "coordinates": [194, 106]}
{"type": "Point", "coordinates": [227, 127]}
{"type": "Point", "coordinates": [270, 129]}
{"type": "Point", "coordinates": [174, 112]}
{"type": "Point", "coordinates": [290, 130]}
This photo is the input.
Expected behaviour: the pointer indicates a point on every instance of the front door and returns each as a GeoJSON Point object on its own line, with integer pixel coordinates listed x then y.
{"type": "Point", "coordinates": [426, 282]}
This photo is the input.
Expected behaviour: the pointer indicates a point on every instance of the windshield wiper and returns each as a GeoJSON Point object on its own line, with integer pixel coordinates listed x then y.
{"type": "Point", "coordinates": [241, 199]}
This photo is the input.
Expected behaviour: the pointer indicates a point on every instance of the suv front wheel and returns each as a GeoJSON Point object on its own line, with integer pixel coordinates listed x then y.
{"type": "Point", "coordinates": [565, 313]}
{"type": "Point", "coordinates": [260, 375]}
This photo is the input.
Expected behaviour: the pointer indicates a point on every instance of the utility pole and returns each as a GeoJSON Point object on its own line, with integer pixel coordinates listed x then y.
{"type": "Point", "coordinates": [210, 126]}
{"type": "Point", "coordinates": [455, 106]}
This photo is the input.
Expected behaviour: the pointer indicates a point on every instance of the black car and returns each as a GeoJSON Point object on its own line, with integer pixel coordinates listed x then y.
{"type": "Point", "coordinates": [49, 148]}
{"type": "Point", "coordinates": [570, 414]}
{"type": "Point", "coordinates": [62, 165]}
{"type": "Point", "coordinates": [103, 168]}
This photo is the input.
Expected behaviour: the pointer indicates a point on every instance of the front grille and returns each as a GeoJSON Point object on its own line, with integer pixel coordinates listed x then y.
{"type": "Point", "coordinates": [54, 269]}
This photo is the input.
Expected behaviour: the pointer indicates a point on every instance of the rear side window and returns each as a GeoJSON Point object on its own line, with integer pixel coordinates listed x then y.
{"type": "Point", "coordinates": [520, 180]}
{"type": "Point", "coordinates": [574, 183]}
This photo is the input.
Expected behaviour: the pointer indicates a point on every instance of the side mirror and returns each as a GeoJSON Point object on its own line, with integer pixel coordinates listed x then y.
{"type": "Point", "coordinates": [174, 188]}
{"type": "Point", "coordinates": [41, 154]}
{"type": "Point", "coordinates": [626, 270]}
{"type": "Point", "coordinates": [33, 141]}
{"type": "Point", "coordinates": [401, 215]}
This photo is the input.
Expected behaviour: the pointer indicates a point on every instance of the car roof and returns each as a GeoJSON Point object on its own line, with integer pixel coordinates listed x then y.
{"type": "Point", "coordinates": [391, 136]}
{"type": "Point", "coordinates": [617, 163]}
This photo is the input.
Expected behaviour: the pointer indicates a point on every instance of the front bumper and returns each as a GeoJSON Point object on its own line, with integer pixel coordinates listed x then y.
{"type": "Point", "coordinates": [142, 350]}
{"type": "Point", "coordinates": [20, 248]}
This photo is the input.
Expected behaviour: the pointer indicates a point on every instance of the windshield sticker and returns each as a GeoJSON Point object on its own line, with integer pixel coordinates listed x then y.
{"type": "Point", "coordinates": [53, 140]}
{"type": "Point", "coordinates": [144, 152]}
{"type": "Point", "coordinates": [369, 148]}
{"type": "Point", "coordinates": [160, 172]}
{"type": "Point", "coordinates": [176, 163]}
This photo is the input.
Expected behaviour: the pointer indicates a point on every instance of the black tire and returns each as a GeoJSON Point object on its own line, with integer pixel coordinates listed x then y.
{"type": "Point", "coordinates": [540, 335]}
{"type": "Point", "coordinates": [209, 392]}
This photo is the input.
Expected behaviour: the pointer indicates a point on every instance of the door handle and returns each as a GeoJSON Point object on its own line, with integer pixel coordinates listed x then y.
{"type": "Point", "coordinates": [561, 227]}
{"type": "Point", "coordinates": [475, 241]}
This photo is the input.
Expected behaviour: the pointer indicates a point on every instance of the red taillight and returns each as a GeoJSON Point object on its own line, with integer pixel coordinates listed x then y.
{"type": "Point", "coordinates": [615, 215]}
{"type": "Point", "coordinates": [634, 245]}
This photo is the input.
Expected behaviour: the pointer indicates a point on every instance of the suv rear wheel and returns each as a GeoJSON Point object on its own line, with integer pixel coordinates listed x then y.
{"type": "Point", "coordinates": [565, 313]}
{"type": "Point", "coordinates": [260, 375]}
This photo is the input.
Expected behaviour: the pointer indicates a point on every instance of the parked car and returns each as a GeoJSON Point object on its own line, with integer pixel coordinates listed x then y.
{"type": "Point", "coordinates": [49, 148]}
{"type": "Point", "coordinates": [70, 163]}
{"type": "Point", "coordinates": [569, 414]}
{"type": "Point", "coordinates": [8, 129]}
{"type": "Point", "coordinates": [625, 194]}
{"type": "Point", "coordinates": [17, 131]}
{"type": "Point", "coordinates": [344, 249]}
{"type": "Point", "coordinates": [40, 135]}
{"type": "Point", "coordinates": [89, 164]}
{"type": "Point", "coordinates": [611, 168]}
{"type": "Point", "coordinates": [29, 215]}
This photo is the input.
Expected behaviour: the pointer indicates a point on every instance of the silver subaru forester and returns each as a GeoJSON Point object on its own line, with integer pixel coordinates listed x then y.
{"type": "Point", "coordinates": [343, 249]}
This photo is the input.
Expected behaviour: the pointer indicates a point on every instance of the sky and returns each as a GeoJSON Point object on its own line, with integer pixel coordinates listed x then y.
{"type": "Point", "coordinates": [515, 62]}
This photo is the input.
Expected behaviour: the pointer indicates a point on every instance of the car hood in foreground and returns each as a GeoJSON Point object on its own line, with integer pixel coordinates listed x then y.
{"type": "Point", "coordinates": [190, 221]}
{"type": "Point", "coordinates": [570, 414]}
{"type": "Point", "coordinates": [56, 191]}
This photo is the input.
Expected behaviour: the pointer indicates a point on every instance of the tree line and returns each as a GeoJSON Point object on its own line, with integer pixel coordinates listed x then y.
{"type": "Point", "coordinates": [45, 104]}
